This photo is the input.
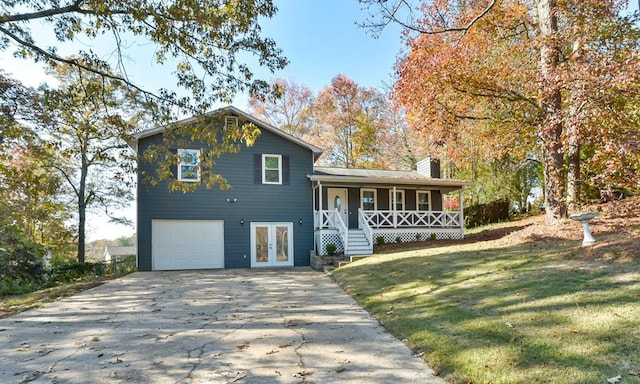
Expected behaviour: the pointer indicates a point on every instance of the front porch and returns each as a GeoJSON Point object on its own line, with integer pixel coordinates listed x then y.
{"type": "Point", "coordinates": [354, 209]}
{"type": "Point", "coordinates": [375, 227]}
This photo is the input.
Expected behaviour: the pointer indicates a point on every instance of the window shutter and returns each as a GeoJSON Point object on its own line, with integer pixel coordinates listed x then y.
{"type": "Point", "coordinates": [285, 169]}
{"type": "Point", "coordinates": [257, 168]}
{"type": "Point", "coordinates": [174, 165]}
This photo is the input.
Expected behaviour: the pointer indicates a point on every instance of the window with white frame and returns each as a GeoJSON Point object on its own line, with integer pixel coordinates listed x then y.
{"type": "Point", "coordinates": [189, 165]}
{"type": "Point", "coordinates": [272, 169]}
{"type": "Point", "coordinates": [423, 200]}
{"type": "Point", "coordinates": [368, 199]}
{"type": "Point", "coordinates": [398, 200]}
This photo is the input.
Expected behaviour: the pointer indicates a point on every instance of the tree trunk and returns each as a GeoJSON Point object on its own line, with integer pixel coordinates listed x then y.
{"type": "Point", "coordinates": [82, 201]}
{"type": "Point", "coordinates": [82, 212]}
{"type": "Point", "coordinates": [576, 103]}
{"type": "Point", "coordinates": [573, 157]}
{"type": "Point", "coordinates": [550, 131]}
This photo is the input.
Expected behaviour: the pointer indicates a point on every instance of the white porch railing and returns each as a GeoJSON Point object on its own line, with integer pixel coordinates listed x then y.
{"type": "Point", "coordinates": [343, 230]}
{"type": "Point", "coordinates": [364, 226]}
{"type": "Point", "coordinates": [393, 219]}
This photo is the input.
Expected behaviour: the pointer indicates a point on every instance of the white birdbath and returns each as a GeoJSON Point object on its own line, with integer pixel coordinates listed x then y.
{"type": "Point", "coordinates": [584, 218]}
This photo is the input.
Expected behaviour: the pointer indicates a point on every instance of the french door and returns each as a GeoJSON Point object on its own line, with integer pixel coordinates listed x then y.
{"type": "Point", "coordinates": [271, 244]}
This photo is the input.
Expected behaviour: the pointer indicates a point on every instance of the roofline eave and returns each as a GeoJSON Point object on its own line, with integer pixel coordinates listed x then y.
{"type": "Point", "coordinates": [376, 180]}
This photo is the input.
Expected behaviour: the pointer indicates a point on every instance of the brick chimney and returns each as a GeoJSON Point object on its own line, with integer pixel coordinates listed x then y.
{"type": "Point", "coordinates": [429, 167]}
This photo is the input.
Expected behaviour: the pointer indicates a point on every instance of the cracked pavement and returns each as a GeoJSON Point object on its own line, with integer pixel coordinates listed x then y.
{"type": "Point", "coordinates": [219, 326]}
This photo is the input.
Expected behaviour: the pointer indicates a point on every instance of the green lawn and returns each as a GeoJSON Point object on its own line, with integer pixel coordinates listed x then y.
{"type": "Point", "coordinates": [532, 312]}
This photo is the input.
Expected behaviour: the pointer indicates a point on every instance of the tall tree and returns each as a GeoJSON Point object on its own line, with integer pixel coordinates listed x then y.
{"type": "Point", "coordinates": [499, 74]}
{"type": "Point", "coordinates": [210, 45]}
{"type": "Point", "coordinates": [288, 109]}
{"type": "Point", "coordinates": [349, 120]}
{"type": "Point", "coordinates": [31, 197]}
{"type": "Point", "coordinates": [86, 121]}
{"type": "Point", "coordinates": [201, 38]}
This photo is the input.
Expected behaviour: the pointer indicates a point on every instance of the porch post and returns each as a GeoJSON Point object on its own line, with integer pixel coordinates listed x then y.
{"type": "Point", "coordinates": [320, 214]}
{"type": "Point", "coordinates": [315, 213]}
{"type": "Point", "coordinates": [461, 211]}
{"type": "Point", "coordinates": [395, 213]}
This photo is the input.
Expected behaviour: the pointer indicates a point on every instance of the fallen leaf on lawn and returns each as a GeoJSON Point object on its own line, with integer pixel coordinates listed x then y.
{"type": "Point", "coordinates": [284, 345]}
{"type": "Point", "coordinates": [512, 339]}
{"type": "Point", "coordinates": [435, 373]}
{"type": "Point", "coordinates": [419, 354]}
{"type": "Point", "coordinates": [573, 330]}
{"type": "Point", "coordinates": [95, 338]}
{"type": "Point", "coordinates": [509, 325]}
{"type": "Point", "coordinates": [614, 380]}
{"type": "Point", "coordinates": [303, 374]}
{"type": "Point", "coordinates": [243, 346]}
{"type": "Point", "coordinates": [272, 352]}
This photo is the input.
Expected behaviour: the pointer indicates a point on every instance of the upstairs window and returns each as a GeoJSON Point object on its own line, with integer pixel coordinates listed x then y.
{"type": "Point", "coordinates": [271, 169]}
{"type": "Point", "coordinates": [189, 165]}
{"type": "Point", "coordinates": [230, 121]}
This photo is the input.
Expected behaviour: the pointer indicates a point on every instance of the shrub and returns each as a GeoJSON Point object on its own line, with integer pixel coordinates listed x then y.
{"type": "Point", "coordinates": [331, 249]}
{"type": "Point", "coordinates": [432, 237]}
{"type": "Point", "coordinates": [380, 240]}
{"type": "Point", "coordinates": [482, 214]}
{"type": "Point", "coordinates": [21, 261]}
{"type": "Point", "coordinates": [65, 272]}
{"type": "Point", "coordinates": [398, 239]}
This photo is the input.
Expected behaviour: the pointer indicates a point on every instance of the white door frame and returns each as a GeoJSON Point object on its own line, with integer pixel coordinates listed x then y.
{"type": "Point", "coordinates": [343, 193]}
{"type": "Point", "coordinates": [273, 244]}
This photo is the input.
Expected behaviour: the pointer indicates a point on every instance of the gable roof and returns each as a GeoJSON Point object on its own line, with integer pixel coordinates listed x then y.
{"type": "Point", "coordinates": [230, 109]}
{"type": "Point", "coordinates": [382, 177]}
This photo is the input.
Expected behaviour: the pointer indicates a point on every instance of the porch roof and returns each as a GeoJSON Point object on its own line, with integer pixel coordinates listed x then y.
{"type": "Point", "coordinates": [382, 177]}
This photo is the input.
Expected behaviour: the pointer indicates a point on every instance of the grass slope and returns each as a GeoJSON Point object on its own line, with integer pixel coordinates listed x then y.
{"type": "Point", "coordinates": [530, 307]}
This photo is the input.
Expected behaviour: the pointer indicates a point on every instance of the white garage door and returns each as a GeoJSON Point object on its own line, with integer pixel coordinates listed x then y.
{"type": "Point", "coordinates": [187, 244]}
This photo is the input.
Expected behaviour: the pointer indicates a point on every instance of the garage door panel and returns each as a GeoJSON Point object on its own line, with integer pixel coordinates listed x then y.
{"type": "Point", "coordinates": [187, 244]}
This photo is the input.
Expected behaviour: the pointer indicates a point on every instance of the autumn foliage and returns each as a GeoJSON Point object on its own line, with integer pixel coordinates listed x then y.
{"type": "Point", "coordinates": [543, 81]}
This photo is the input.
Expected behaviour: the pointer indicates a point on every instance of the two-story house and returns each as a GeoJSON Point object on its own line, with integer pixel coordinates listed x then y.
{"type": "Point", "coordinates": [281, 208]}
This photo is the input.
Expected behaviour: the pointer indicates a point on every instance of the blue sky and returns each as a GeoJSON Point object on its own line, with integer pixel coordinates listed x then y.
{"type": "Point", "coordinates": [319, 37]}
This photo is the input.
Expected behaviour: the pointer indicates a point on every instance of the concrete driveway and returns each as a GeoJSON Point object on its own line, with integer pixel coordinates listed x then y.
{"type": "Point", "coordinates": [242, 326]}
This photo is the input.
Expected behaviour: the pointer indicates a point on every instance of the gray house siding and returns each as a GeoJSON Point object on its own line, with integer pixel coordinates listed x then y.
{"type": "Point", "coordinates": [253, 202]}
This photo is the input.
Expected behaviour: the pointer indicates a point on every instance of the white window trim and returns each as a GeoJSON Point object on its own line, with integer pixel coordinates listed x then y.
{"type": "Point", "coordinates": [418, 198]}
{"type": "Point", "coordinates": [264, 169]}
{"type": "Point", "coordinates": [401, 191]}
{"type": "Point", "coordinates": [375, 197]}
{"type": "Point", "coordinates": [230, 121]}
{"type": "Point", "coordinates": [180, 152]}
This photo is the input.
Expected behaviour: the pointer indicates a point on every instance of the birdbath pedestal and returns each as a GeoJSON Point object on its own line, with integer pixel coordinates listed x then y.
{"type": "Point", "coordinates": [584, 218]}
